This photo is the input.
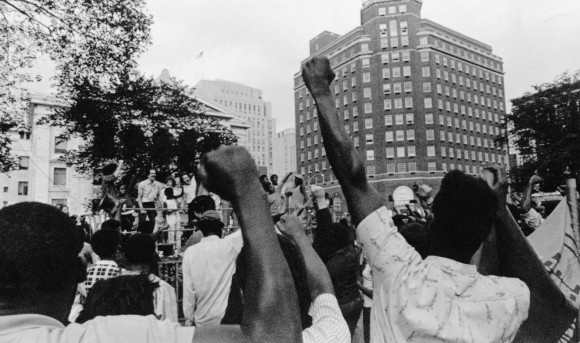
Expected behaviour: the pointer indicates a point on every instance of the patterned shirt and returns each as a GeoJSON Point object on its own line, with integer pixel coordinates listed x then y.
{"type": "Point", "coordinates": [328, 325]}
{"type": "Point", "coordinates": [101, 270]}
{"type": "Point", "coordinates": [435, 299]}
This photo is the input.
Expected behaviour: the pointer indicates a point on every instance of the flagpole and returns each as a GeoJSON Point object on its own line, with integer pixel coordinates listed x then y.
{"type": "Point", "coordinates": [572, 199]}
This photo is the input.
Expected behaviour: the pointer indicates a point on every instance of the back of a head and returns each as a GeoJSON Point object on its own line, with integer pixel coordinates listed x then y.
{"type": "Point", "coordinates": [111, 224]}
{"type": "Point", "coordinates": [464, 211]}
{"type": "Point", "coordinates": [416, 235]}
{"type": "Point", "coordinates": [39, 247]}
{"type": "Point", "coordinates": [140, 249]}
{"type": "Point", "coordinates": [202, 203]}
{"type": "Point", "coordinates": [121, 295]}
{"type": "Point", "coordinates": [105, 243]}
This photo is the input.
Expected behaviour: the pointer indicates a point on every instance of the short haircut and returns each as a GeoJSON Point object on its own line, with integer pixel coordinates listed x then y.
{"type": "Point", "coordinates": [273, 176]}
{"type": "Point", "coordinates": [111, 225]}
{"type": "Point", "coordinates": [140, 249]}
{"type": "Point", "coordinates": [121, 295]}
{"type": "Point", "coordinates": [146, 226]}
{"type": "Point", "coordinates": [172, 179]}
{"type": "Point", "coordinates": [202, 203]}
{"type": "Point", "coordinates": [464, 211]}
{"type": "Point", "coordinates": [263, 177]}
{"type": "Point", "coordinates": [105, 243]}
{"type": "Point", "coordinates": [416, 235]}
{"type": "Point", "coordinates": [110, 168]}
{"type": "Point", "coordinates": [39, 248]}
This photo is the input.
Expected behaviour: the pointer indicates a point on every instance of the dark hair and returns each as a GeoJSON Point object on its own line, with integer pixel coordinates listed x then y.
{"type": "Point", "coordinates": [169, 193]}
{"type": "Point", "coordinates": [105, 243]}
{"type": "Point", "coordinates": [272, 177]}
{"type": "Point", "coordinates": [111, 225]}
{"type": "Point", "coordinates": [464, 211]}
{"type": "Point", "coordinates": [263, 177]}
{"type": "Point", "coordinates": [121, 295]}
{"type": "Point", "coordinates": [202, 203]}
{"type": "Point", "coordinates": [416, 235]}
{"type": "Point", "coordinates": [146, 226]}
{"type": "Point", "coordinates": [235, 308]}
{"type": "Point", "coordinates": [39, 247]}
{"type": "Point", "coordinates": [209, 227]}
{"type": "Point", "coordinates": [140, 249]}
{"type": "Point", "coordinates": [172, 179]}
{"type": "Point", "coordinates": [109, 168]}
{"type": "Point", "coordinates": [338, 236]}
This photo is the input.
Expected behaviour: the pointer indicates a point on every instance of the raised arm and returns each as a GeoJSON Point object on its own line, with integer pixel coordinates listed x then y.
{"type": "Point", "coordinates": [550, 314]}
{"type": "Point", "coordinates": [328, 324]}
{"type": "Point", "coordinates": [271, 307]}
{"type": "Point", "coordinates": [346, 163]}
{"type": "Point", "coordinates": [527, 196]}
{"type": "Point", "coordinates": [284, 179]}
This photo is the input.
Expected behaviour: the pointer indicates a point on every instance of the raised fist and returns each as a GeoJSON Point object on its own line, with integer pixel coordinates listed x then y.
{"type": "Point", "coordinates": [495, 176]}
{"type": "Point", "coordinates": [318, 75]}
{"type": "Point", "coordinates": [227, 171]}
{"type": "Point", "coordinates": [291, 226]}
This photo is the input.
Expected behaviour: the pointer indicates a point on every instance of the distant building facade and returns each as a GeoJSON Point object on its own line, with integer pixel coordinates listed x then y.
{"type": "Point", "coordinates": [285, 152]}
{"type": "Point", "coordinates": [246, 104]}
{"type": "Point", "coordinates": [418, 99]}
{"type": "Point", "coordinates": [43, 176]}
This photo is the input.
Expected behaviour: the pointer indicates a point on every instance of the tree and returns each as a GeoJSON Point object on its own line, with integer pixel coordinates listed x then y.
{"type": "Point", "coordinates": [545, 127]}
{"type": "Point", "coordinates": [94, 42]}
{"type": "Point", "coordinates": [145, 122]}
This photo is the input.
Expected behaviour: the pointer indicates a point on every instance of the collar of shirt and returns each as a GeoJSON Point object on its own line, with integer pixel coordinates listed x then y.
{"type": "Point", "coordinates": [18, 322]}
{"type": "Point", "coordinates": [210, 238]}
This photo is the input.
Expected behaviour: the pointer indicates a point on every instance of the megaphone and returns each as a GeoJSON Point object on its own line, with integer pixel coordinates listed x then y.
{"type": "Point", "coordinates": [109, 204]}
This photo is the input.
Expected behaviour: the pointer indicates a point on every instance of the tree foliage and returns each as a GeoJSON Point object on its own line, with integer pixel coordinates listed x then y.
{"type": "Point", "coordinates": [545, 127]}
{"type": "Point", "coordinates": [94, 42]}
{"type": "Point", "coordinates": [145, 122]}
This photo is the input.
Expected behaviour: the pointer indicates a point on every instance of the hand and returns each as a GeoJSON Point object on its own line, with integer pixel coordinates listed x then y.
{"type": "Point", "coordinates": [318, 75]}
{"type": "Point", "coordinates": [291, 226]}
{"type": "Point", "coordinates": [228, 171]}
{"type": "Point", "coordinates": [318, 192]}
{"type": "Point", "coordinates": [495, 176]}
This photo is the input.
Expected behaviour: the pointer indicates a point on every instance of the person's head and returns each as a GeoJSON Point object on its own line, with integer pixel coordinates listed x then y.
{"type": "Point", "coordinates": [339, 238]}
{"type": "Point", "coordinates": [202, 203]}
{"type": "Point", "coordinates": [170, 182]}
{"type": "Point", "coordinates": [39, 262]}
{"type": "Point", "coordinates": [140, 251]}
{"type": "Point", "coordinates": [416, 235]}
{"type": "Point", "coordinates": [298, 180]}
{"type": "Point", "coordinates": [64, 209]}
{"type": "Point", "coordinates": [110, 168]}
{"type": "Point", "coordinates": [274, 179]}
{"type": "Point", "coordinates": [185, 179]}
{"type": "Point", "coordinates": [152, 175]}
{"type": "Point", "coordinates": [464, 211]}
{"type": "Point", "coordinates": [146, 226]}
{"type": "Point", "coordinates": [168, 192]}
{"type": "Point", "coordinates": [121, 295]}
{"type": "Point", "coordinates": [265, 182]}
{"type": "Point", "coordinates": [111, 225]}
{"type": "Point", "coordinates": [123, 189]}
{"type": "Point", "coordinates": [210, 223]}
{"type": "Point", "coordinates": [105, 243]}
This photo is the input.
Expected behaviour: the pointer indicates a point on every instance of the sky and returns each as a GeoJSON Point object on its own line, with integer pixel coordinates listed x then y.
{"type": "Point", "coordinates": [261, 43]}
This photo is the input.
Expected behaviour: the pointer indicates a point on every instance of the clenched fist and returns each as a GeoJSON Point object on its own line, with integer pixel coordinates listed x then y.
{"type": "Point", "coordinates": [227, 171]}
{"type": "Point", "coordinates": [318, 75]}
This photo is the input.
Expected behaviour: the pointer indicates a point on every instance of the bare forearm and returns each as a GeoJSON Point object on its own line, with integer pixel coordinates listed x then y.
{"type": "Point", "coordinates": [271, 301]}
{"type": "Point", "coordinates": [527, 198]}
{"type": "Point", "coordinates": [317, 276]}
{"type": "Point", "coordinates": [346, 162]}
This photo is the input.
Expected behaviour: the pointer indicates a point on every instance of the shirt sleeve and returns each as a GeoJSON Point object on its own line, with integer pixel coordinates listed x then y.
{"type": "Point", "coordinates": [236, 240]}
{"type": "Point", "coordinates": [385, 249]}
{"type": "Point", "coordinates": [188, 288]}
{"type": "Point", "coordinates": [139, 191]}
{"type": "Point", "coordinates": [328, 325]}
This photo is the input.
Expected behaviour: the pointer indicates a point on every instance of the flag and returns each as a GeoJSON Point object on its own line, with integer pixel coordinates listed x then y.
{"type": "Point", "coordinates": [557, 248]}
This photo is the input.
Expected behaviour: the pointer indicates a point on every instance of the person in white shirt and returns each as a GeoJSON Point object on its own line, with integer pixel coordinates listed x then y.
{"type": "Point", "coordinates": [442, 298]}
{"type": "Point", "coordinates": [40, 268]}
{"type": "Point", "coordinates": [208, 268]}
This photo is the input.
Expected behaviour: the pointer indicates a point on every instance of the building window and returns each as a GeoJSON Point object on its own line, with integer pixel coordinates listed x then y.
{"type": "Point", "coordinates": [423, 41]}
{"type": "Point", "coordinates": [24, 135]}
{"type": "Point", "coordinates": [390, 168]}
{"type": "Point", "coordinates": [22, 188]}
{"type": "Point", "coordinates": [368, 123]}
{"type": "Point", "coordinates": [366, 62]}
{"type": "Point", "coordinates": [367, 92]}
{"type": "Point", "coordinates": [428, 102]}
{"type": "Point", "coordinates": [410, 135]}
{"type": "Point", "coordinates": [408, 86]}
{"type": "Point", "coordinates": [370, 170]}
{"type": "Point", "coordinates": [24, 162]}
{"type": "Point", "coordinates": [401, 151]}
{"type": "Point", "coordinates": [382, 11]}
{"type": "Point", "coordinates": [387, 104]}
{"type": "Point", "coordinates": [355, 141]}
{"type": "Point", "coordinates": [405, 41]}
{"type": "Point", "coordinates": [410, 118]}
{"type": "Point", "coordinates": [355, 111]}
{"type": "Point", "coordinates": [407, 71]}
{"type": "Point", "coordinates": [425, 56]}
{"type": "Point", "coordinates": [388, 136]}
{"type": "Point", "coordinates": [399, 119]}
{"type": "Point", "coordinates": [402, 167]}
{"type": "Point", "coordinates": [398, 103]}
{"type": "Point", "coordinates": [443, 151]}
{"type": "Point", "coordinates": [57, 202]}
{"type": "Point", "coordinates": [426, 71]}
{"type": "Point", "coordinates": [366, 77]}
{"type": "Point", "coordinates": [59, 177]}
{"type": "Point", "coordinates": [370, 155]}
{"type": "Point", "coordinates": [402, 9]}
{"type": "Point", "coordinates": [60, 145]}
{"type": "Point", "coordinates": [368, 108]}
{"type": "Point", "coordinates": [406, 56]}
{"type": "Point", "coordinates": [432, 166]}
{"type": "Point", "coordinates": [428, 118]}
{"type": "Point", "coordinates": [390, 152]}
{"type": "Point", "coordinates": [388, 120]}
{"type": "Point", "coordinates": [397, 87]}
{"type": "Point", "coordinates": [395, 57]}
{"type": "Point", "coordinates": [427, 87]}
{"type": "Point", "coordinates": [400, 135]}
{"type": "Point", "coordinates": [431, 150]}
{"type": "Point", "coordinates": [396, 72]}
{"type": "Point", "coordinates": [384, 45]}
{"type": "Point", "coordinates": [5, 189]}
{"type": "Point", "coordinates": [430, 134]}
{"type": "Point", "coordinates": [386, 88]}
{"type": "Point", "coordinates": [408, 102]}
{"type": "Point", "coordinates": [355, 126]}
{"type": "Point", "coordinates": [369, 138]}
{"type": "Point", "coordinates": [411, 151]}
{"type": "Point", "coordinates": [386, 73]}
{"type": "Point", "coordinates": [412, 167]}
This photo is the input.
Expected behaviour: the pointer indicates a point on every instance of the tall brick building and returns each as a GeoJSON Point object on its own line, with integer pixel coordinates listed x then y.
{"type": "Point", "coordinates": [418, 99]}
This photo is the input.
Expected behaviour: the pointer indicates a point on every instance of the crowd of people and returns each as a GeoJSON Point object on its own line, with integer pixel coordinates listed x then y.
{"type": "Point", "coordinates": [455, 268]}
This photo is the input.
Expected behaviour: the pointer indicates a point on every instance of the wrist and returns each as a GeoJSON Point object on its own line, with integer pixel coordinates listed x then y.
{"type": "Point", "coordinates": [320, 91]}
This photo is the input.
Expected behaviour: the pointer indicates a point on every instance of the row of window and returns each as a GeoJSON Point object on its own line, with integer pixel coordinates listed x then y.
{"type": "Point", "coordinates": [22, 188]}
{"type": "Point", "coordinates": [464, 53]}
{"type": "Point", "coordinates": [392, 10]}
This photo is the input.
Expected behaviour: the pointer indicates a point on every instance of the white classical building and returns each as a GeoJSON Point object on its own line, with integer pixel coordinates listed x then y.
{"type": "Point", "coordinates": [285, 152]}
{"type": "Point", "coordinates": [42, 176]}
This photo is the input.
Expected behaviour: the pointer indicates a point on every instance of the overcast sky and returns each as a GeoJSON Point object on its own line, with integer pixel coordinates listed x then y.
{"type": "Point", "coordinates": [260, 43]}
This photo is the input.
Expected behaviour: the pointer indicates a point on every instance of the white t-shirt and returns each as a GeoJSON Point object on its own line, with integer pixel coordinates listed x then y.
{"type": "Point", "coordinates": [35, 328]}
